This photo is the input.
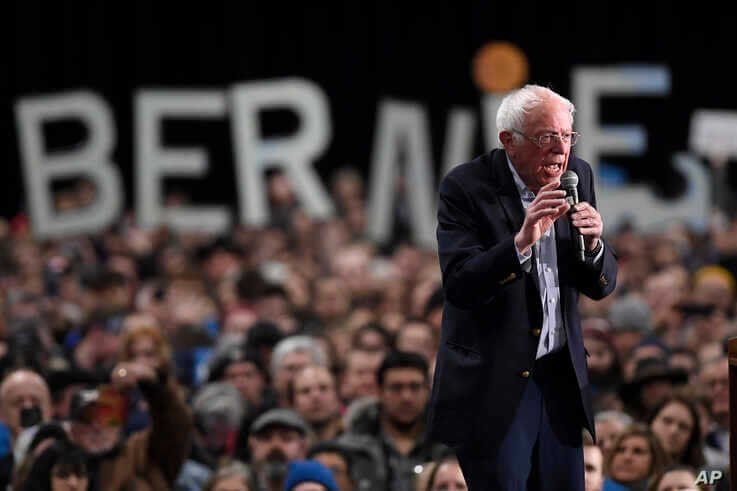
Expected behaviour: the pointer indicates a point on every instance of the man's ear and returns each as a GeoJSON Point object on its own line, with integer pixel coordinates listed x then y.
{"type": "Point", "coordinates": [507, 138]}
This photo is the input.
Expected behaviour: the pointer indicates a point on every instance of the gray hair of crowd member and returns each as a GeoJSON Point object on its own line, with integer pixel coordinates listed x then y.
{"type": "Point", "coordinates": [516, 106]}
{"type": "Point", "coordinates": [220, 399]}
{"type": "Point", "coordinates": [296, 344]}
{"type": "Point", "coordinates": [233, 469]}
{"type": "Point", "coordinates": [622, 418]}
{"type": "Point", "coordinates": [630, 313]}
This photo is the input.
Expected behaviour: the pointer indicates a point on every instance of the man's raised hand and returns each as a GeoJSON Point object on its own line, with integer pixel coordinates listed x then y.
{"type": "Point", "coordinates": [548, 206]}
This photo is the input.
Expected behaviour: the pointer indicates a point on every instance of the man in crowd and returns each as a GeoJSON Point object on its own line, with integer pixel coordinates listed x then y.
{"type": "Point", "coordinates": [245, 371]}
{"type": "Point", "coordinates": [393, 429]}
{"type": "Point", "coordinates": [277, 437]}
{"type": "Point", "coordinates": [359, 376]}
{"type": "Point", "coordinates": [25, 401]}
{"type": "Point", "coordinates": [715, 378]}
{"type": "Point", "coordinates": [339, 460]}
{"type": "Point", "coordinates": [290, 356]}
{"type": "Point", "coordinates": [417, 336]}
{"type": "Point", "coordinates": [315, 398]}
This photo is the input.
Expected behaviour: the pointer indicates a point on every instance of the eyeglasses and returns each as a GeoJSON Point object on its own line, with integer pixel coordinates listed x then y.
{"type": "Point", "coordinates": [549, 138]}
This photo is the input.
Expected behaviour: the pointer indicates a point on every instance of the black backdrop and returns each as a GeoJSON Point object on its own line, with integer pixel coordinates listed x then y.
{"type": "Point", "coordinates": [358, 52]}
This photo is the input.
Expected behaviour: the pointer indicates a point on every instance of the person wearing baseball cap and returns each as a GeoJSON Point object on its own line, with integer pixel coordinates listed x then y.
{"type": "Point", "coordinates": [277, 437]}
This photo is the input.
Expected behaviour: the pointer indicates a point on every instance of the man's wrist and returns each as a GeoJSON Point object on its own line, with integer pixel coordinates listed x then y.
{"type": "Point", "coordinates": [593, 252]}
{"type": "Point", "coordinates": [522, 249]}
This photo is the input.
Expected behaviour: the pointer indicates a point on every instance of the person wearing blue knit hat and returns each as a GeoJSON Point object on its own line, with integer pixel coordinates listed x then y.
{"type": "Point", "coordinates": [309, 475]}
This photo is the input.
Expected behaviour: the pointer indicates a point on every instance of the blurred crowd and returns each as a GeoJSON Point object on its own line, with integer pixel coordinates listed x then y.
{"type": "Point", "coordinates": [299, 355]}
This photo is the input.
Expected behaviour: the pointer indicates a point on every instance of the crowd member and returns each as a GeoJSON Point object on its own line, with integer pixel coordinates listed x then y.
{"type": "Point", "coordinates": [359, 374]}
{"type": "Point", "coordinates": [309, 475]}
{"type": "Point", "coordinates": [207, 308]}
{"type": "Point", "coordinates": [246, 372]}
{"type": "Point", "coordinates": [636, 458]}
{"type": "Point", "coordinates": [340, 460]}
{"type": "Point", "coordinates": [25, 403]}
{"type": "Point", "coordinates": [652, 382]}
{"type": "Point", "coordinates": [277, 437]}
{"type": "Point", "coordinates": [60, 467]}
{"type": "Point", "coordinates": [373, 337]}
{"type": "Point", "coordinates": [417, 336]}
{"type": "Point", "coordinates": [148, 459]}
{"type": "Point", "coordinates": [686, 360]}
{"type": "Point", "coordinates": [593, 464]}
{"type": "Point", "coordinates": [393, 429]}
{"type": "Point", "coordinates": [675, 423]}
{"type": "Point", "coordinates": [218, 411]}
{"type": "Point", "coordinates": [231, 477]}
{"type": "Point", "coordinates": [605, 372]}
{"type": "Point", "coordinates": [446, 475]}
{"type": "Point", "coordinates": [675, 478]}
{"type": "Point", "coordinates": [142, 341]}
{"type": "Point", "coordinates": [608, 426]}
{"type": "Point", "coordinates": [289, 357]}
{"type": "Point", "coordinates": [715, 378]}
{"type": "Point", "coordinates": [631, 322]}
{"type": "Point", "coordinates": [314, 396]}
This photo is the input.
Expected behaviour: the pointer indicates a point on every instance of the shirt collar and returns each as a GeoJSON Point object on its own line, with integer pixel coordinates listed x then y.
{"type": "Point", "coordinates": [524, 191]}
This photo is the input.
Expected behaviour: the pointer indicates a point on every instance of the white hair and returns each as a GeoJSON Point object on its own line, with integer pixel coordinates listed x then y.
{"type": "Point", "coordinates": [298, 344]}
{"type": "Point", "coordinates": [220, 399]}
{"type": "Point", "coordinates": [516, 106]}
{"type": "Point", "coordinates": [612, 415]}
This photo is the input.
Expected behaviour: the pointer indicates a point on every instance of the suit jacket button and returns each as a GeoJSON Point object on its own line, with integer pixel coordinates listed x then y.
{"type": "Point", "coordinates": [537, 332]}
{"type": "Point", "coordinates": [525, 374]}
{"type": "Point", "coordinates": [509, 278]}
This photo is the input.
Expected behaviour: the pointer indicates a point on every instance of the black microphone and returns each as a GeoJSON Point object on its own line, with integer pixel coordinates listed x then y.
{"type": "Point", "coordinates": [568, 182]}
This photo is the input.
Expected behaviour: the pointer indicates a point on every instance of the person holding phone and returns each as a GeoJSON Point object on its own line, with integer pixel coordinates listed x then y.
{"type": "Point", "coordinates": [148, 459]}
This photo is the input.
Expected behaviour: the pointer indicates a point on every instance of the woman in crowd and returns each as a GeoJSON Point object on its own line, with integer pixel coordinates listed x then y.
{"type": "Point", "coordinates": [446, 475]}
{"type": "Point", "coordinates": [635, 458]}
{"type": "Point", "coordinates": [142, 341]}
{"type": "Point", "coordinates": [675, 423]}
{"type": "Point", "coordinates": [231, 477]}
{"type": "Point", "coordinates": [60, 467]}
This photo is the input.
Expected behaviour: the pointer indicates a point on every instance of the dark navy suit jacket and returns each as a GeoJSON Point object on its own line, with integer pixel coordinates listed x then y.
{"type": "Point", "coordinates": [493, 313]}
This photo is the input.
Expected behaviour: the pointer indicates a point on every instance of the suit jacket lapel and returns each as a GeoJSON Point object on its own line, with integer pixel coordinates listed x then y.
{"type": "Point", "coordinates": [506, 190]}
{"type": "Point", "coordinates": [511, 202]}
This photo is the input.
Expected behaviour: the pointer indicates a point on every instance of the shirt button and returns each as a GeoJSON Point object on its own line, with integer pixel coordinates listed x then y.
{"type": "Point", "coordinates": [547, 268]}
{"type": "Point", "coordinates": [525, 374]}
{"type": "Point", "coordinates": [536, 332]}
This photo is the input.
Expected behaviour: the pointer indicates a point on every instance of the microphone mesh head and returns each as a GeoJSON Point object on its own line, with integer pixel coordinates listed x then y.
{"type": "Point", "coordinates": [569, 179]}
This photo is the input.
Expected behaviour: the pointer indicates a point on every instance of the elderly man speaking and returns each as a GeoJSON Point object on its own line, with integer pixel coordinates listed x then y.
{"type": "Point", "coordinates": [511, 392]}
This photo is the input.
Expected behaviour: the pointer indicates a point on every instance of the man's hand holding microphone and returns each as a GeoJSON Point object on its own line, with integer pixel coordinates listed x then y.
{"type": "Point", "coordinates": [551, 203]}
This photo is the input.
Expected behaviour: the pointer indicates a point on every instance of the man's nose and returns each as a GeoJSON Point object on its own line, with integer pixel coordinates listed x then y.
{"type": "Point", "coordinates": [558, 146]}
